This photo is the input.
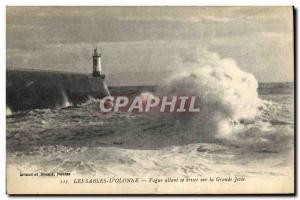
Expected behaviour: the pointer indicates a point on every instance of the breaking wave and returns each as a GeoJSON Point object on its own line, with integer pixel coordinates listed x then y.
{"type": "Point", "coordinates": [65, 100]}
{"type": "Point", "coordinates": [231, 111]}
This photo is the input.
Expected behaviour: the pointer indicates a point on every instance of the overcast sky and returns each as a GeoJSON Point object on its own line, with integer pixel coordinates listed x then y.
{"type": "Point", "coordinates": [260, 39]}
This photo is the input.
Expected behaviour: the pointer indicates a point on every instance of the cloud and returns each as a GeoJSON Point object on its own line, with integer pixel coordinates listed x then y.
{"type": "Point", "coordinates": [149, 38]}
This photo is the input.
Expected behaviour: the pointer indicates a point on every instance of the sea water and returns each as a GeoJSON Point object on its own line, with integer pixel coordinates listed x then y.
{"type": "Point", "coordinates": [80, 140]}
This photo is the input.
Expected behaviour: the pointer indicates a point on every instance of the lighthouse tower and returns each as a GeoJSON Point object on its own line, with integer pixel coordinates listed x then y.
{"type": "Point", "coordinates": [97, 68]}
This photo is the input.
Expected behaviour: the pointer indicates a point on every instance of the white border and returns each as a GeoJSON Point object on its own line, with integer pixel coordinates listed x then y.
{"type": "Point", "coordinates": [5, 3]}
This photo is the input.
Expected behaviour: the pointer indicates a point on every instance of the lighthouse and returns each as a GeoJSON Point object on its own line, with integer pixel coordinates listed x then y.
{"type": "Point", "coordinates": [97, 68]}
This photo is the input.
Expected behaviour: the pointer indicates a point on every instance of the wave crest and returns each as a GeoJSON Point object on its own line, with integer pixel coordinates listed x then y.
{"type": "Point", "coordinates": [231, 110]}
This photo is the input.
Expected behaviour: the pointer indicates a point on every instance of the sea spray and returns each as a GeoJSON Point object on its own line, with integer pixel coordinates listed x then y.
{"type": "Point", "coordinates": [8, 111]}
{"type": "Point", "coordinates": [227, 93]}
{"type": "Point", "coordinates": [229, 104]}
{"type": "Point", "coordinates": [66, 102]}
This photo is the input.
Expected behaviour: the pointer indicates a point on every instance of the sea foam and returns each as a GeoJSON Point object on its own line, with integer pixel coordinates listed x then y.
{"type": "Point", "coordinates": [229, 103]}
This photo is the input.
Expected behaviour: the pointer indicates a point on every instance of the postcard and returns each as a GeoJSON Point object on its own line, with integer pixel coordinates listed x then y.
{"type": "Point", "coordinates": [150, 100]}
